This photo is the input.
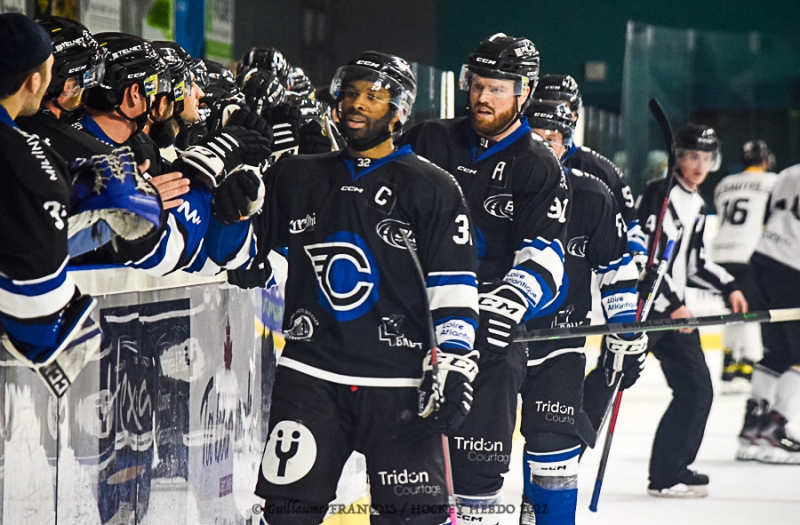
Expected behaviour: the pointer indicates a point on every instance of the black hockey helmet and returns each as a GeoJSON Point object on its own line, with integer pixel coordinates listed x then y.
{"type": "Point", "coordinates": [756, 152]}
{"type": "Point", "coordinates": [385, 71]}
{"type": "Point", "coordinates": [221, 83]}
{"type": "Point", "coordinates": [200, 73]}
{"type": "Point", "coordinates": [551, 115]}
{"type": "Point", "coordinates": [76, 55]}
{"type": "Point", "coordinates": [178, 61]}
{"type": "Point", "coordinates": [266, 58]}
{"type": "Point", "coordinates": [559, 87]}
{"type": "Point", "coordinates": [130, 60]}
{"type": "Point", "coordinates": [298, 82]}
{"type": "Point", "coordinates": [700, 138]}
{"type": "Point", "coordinates": [504, 57]}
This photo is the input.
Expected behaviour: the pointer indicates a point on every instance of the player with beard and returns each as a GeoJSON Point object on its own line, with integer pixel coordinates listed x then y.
{"type": "Point", "coordinates": [563, 88]}
{"type": "Point", "coordinates": [520, 200]}
{"type": "Point", "coordinates": [357, 319]}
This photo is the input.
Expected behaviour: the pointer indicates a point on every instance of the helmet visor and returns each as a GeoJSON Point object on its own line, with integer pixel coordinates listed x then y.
{"type": "Point", "coordinates": [94, 75]}
{"type": "Point", "coordinates": [471, 74]}
{"type": "Point", "coordinates": [157, 83]}
{"type": "Point", "coordinates": [355, 81]}
{"type": "Point", "coordinates": [711, 160]}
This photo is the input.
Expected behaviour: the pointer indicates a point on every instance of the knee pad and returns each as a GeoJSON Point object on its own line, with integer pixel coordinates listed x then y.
{"type": "Point", "coordinates": [479, 510]}
{"type": "Point", "coordinates": [551, 478]}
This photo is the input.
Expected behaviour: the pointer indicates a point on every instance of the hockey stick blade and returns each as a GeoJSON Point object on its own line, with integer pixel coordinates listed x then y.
{"type": "Point", "coordinates": [658, 325]}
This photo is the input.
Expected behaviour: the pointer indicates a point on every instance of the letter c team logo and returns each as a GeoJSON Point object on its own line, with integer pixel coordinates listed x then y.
{"type": "Point", "coordinates": [290, 453]}
{"type": "Point", "coordinates": [347, 275]}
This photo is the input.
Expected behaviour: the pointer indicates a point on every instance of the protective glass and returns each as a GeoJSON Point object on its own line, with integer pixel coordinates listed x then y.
{"type": "Point", "coordinates": [468, 75]}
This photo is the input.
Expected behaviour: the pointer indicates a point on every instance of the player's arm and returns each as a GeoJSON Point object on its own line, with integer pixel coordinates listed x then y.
{"type": "Point", "coordinates": [703, 273]}
{"type": "Point", "coordinates": [41, 310]}
{"type": "Point", "coordinates": [541, 210]}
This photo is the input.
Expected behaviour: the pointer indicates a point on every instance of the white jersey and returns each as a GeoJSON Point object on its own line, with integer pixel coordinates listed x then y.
{"type": "Point", "coordinates": [781, 238]}
{"type": "Point", "coordinates": [741, 201]}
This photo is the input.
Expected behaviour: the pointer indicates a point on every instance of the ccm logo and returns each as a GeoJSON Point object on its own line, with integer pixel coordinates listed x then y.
{"type": "Point", "coordinates": [368, 63]}
{"type": "Point", "coordinates": [485, 60]}
{"type": "Point", "coordinates": [353, 188]}
{"type": "Point", "coordinates": [466, 170]}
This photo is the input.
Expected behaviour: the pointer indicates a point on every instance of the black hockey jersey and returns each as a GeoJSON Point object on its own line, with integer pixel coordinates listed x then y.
{"type": "Point", "coordinates": [589, 161]}
{"type": "Point", "coordinates": [684, 222]}
{"type": "Point", "coordinates": [355, 309]}
{"type": "Point", "coordinates": [64, 137]}
{"type": "Point", "coordinates": [519, 199]}
{"type": "Point", "coordinates": [34, 203]}
{"type": "Point", "coordinates": [597, 245]}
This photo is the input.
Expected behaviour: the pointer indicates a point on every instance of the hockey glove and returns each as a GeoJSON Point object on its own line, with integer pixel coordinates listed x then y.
{"type": "Point", "coordinates": [445, 394]}
{"type": "Point", "coordinates": [239, 196]}
{"type": "Point", "coordinates": [109, 189]}
{"type": "Point", "coordinates": [285, 121]}
{"type": "Point", "coordinates": [213, 157]}
{"type": "Point", "coordinates": [248, 119]}
{"type": "Point", "coordinates": [313, 139]}
{"type": "Point", "coordinates": [624, 353]}
{"type": "Point", "coordinates": [501, 309]}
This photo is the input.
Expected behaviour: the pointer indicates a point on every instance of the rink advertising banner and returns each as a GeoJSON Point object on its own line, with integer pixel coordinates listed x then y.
{"type": "Point", "coordinates": [219, 30]}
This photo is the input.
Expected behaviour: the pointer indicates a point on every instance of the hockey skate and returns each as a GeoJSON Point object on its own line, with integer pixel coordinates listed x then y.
{"type": "Point", "coordinates": [775, 444]}
{"type": "Point", "coordinates": [735, 375]}
{"type": "Point", "coordinates": [526, 514]}
{"type": "Point", "coordinates": [690, 485]}
{"type": "Point", "coordinates": [754, 416]}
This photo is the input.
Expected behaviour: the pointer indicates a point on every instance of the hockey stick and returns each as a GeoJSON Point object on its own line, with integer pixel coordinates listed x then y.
{"type": "Point", "coordinates": [643, 310]}
{"type": "Point", "coordinates": [437, 387]}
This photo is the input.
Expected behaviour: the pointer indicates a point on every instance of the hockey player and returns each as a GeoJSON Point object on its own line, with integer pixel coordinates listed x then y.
{"type": "Point", "coordinates": [741, 202]}
{"type": "Point", "coordinates": [775, 394]}
{"type": "Point", "coordinates": [520, 201]}
{"type": "Point", "coordinates": [552, 393]}
{"type": "Point", "coordinates": [356, 320]}
{"type": "Point", "coordinates": [563, 88]}
{"type": "Point", "coordinates": [678, 438]}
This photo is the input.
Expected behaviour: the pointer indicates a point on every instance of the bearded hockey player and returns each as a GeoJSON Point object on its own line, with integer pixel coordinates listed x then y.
{"type": "Point", "coordinates": [520, 200]}
{"type": "Point", "coordinates": [680, 432]}
{"type": "Point", "coordinates": [563, 88]}
{"type": "Point", "coordinates": [552, 393]}
{"type": "Point", "coordinates": [356, 321]}
{"type": "Point", "coordinates": [775, 397]}
{"type": "Point", "coordinates": [741, 202]}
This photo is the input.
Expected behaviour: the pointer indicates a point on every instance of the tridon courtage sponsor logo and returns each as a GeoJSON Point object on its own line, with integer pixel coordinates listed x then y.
{"type": "Point", "coordinates": [392, 230]}
{"type": "Point", "coordinates": [301, 326]}
{"type": "Point", "coordinates": [500, 206]}
{"type": "Point", "coordinates": [556, 412]}
{"type": "Point", "coordinates": [307, 223]}
{"type": "Point", "coordinates": [409, 483]}
{"type": "Point", "coordinates": [482, 450]}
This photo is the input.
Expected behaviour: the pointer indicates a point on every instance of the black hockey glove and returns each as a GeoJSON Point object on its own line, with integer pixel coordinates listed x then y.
{"type": "Point", "coordinates": [501, 309]}
{"type": "Point", "coordinates": [445, 398]}
{"type": "Point", "coordinates": [285, 121]}
{"type": "Point", "coordinates": [239, 196]}
{"type": "Point", "coordinates": [624, 353]}
{"type": "Point", "coordinates": [213, 157]}
{"type": "Point", "coordinates": [313, 139]}
{"type": "Point", "coordinates": [246, 118]}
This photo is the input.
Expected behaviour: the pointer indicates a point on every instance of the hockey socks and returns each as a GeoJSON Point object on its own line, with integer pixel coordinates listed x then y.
{"type": "Point", "coordinates": [483, 510]}
{"type": "Point", "coordinates": [551, 486]}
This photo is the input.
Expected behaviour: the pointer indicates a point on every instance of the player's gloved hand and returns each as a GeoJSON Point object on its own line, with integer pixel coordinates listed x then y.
{"type": "Point", "coordinates": [625, 354]}
{"type": "Point", "coordinates": [221, 111]}
{"type": "Point", "coordinates": [313, 139]}
{"type": "Point", "coordinates": [110, 189]}
{"type": "Point", "coordinates": [239, 196]}
{"type": "Point", "coordinates": [285, 121]}
{"type": "Point", "coordinates": [445, 398]}
{"type": "Point", "coordinates": [501, 309]}
{"type": "Point", "coordinates": [213, 157]}
{"type": "Point", "coordinates": [246, 118]}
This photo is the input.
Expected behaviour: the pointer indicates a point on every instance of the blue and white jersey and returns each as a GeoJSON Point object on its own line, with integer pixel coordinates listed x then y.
{"type": "Point", "coordinates": [597, 245]}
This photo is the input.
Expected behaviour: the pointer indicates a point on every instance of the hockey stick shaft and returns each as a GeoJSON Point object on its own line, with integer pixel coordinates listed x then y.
{"type": "Point", "coordinates": [643, 309]}
{"type": "Point", "coordinates": [659, 325]}
{"type": "Point", "coordinates": [448, 466]}
{"type": "Point", "coordinates": [666, 131]}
